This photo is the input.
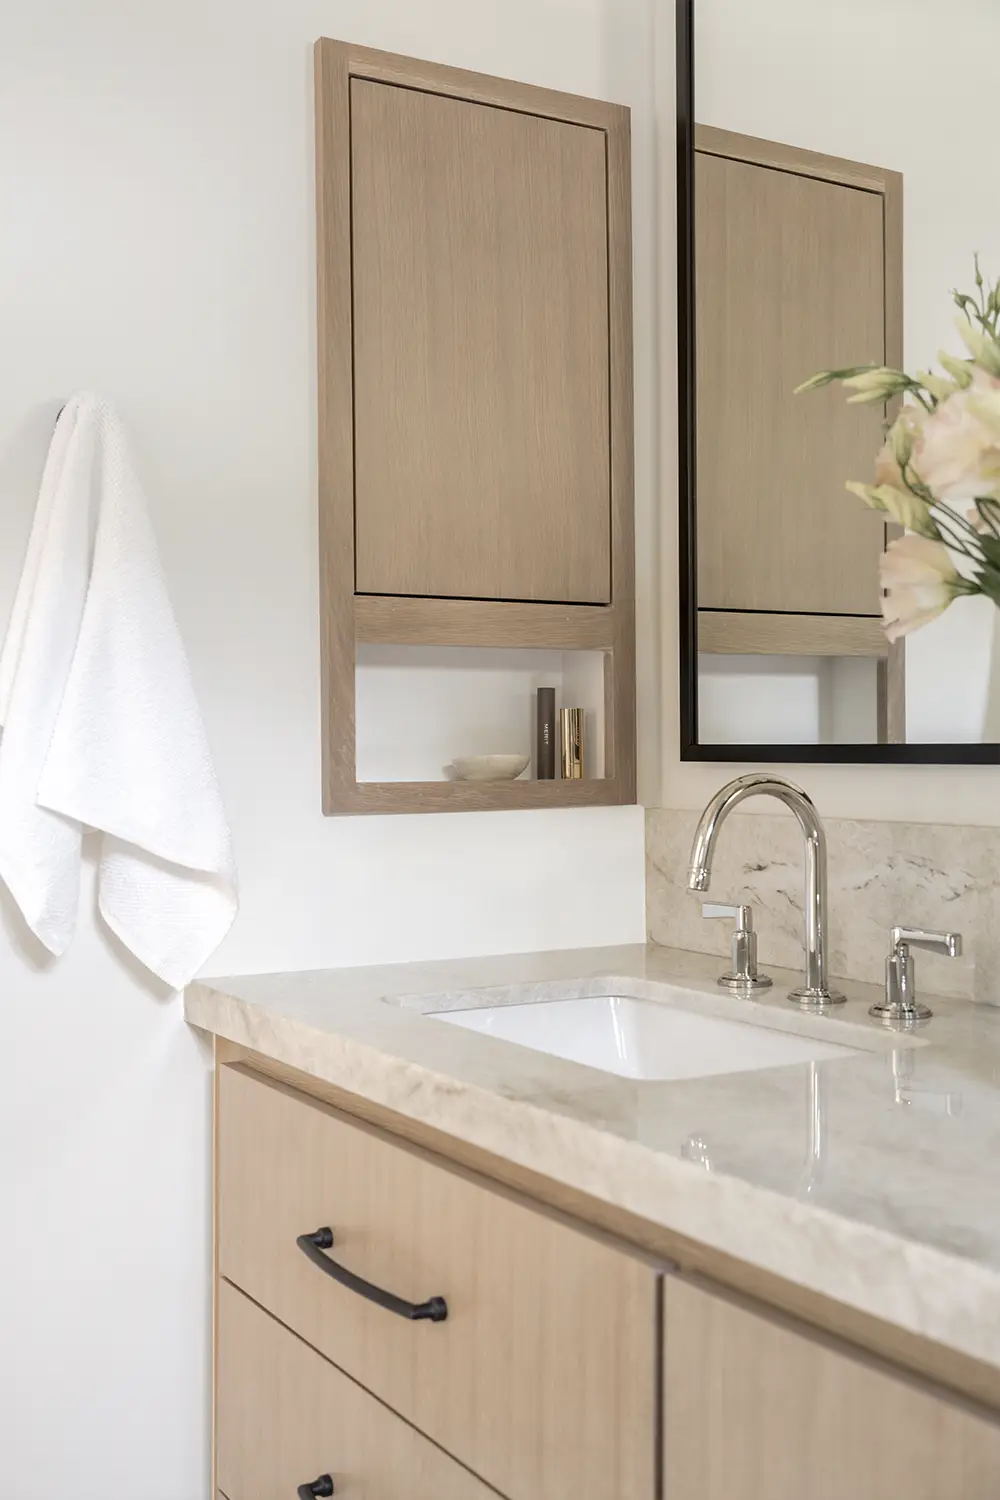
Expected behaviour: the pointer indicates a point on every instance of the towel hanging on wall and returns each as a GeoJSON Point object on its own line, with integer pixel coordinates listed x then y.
{"type": "Point", "coordinates": [101, 728]}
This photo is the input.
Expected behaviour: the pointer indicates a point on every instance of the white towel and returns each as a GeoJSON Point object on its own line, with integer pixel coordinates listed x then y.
{"type": "Point", "coordinates": [101, 728]}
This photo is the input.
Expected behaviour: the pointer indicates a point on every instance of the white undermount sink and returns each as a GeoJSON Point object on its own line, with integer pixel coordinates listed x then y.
{"type": "Point", "coordinates": [644, 1038]}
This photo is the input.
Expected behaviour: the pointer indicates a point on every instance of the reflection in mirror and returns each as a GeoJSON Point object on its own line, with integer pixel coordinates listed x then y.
{"type": "Point", "coordinates": [841, 185]}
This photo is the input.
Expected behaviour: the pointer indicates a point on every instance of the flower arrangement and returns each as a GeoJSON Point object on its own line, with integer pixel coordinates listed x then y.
{"type": "Point", "coordinates": [938, 474]}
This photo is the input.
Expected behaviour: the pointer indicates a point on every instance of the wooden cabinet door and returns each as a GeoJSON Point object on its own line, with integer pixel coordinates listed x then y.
{"type": "Point", "coordinates": [286, 1417]}
{"type": "Point", "coordinates": [542, 1376]}
{"type": "Point", "coordinates": [758, 1409]}
{"type": "Point", "coordinates": [789, 276]}
{"type": "Point", "coordinates": [481, 350]}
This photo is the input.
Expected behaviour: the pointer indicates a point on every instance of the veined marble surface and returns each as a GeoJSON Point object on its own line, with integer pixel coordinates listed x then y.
{"type": "Point", "coordinates": [882, 875]}
{"type": "Point", "coordinates": [873, 1179]}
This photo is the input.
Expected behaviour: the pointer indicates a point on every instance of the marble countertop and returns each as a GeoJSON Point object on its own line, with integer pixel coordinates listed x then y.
{"type": "Point", "coordinates": [872, 1179]}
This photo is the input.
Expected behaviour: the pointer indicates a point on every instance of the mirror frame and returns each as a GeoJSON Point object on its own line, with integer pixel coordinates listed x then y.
{"type": "Point", "coordinates": [687, 449]}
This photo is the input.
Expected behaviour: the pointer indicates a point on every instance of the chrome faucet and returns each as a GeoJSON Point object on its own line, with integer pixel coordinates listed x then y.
{"type": "Point", "coordinates": [815, 991]}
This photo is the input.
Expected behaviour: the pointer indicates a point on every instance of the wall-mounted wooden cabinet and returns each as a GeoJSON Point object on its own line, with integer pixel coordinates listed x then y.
{"type": "Point", "coordinates": [475, 391]}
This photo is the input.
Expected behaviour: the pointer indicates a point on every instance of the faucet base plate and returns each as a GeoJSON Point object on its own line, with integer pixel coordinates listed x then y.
{"type": "Point", "coordinates": [814, 999]}
{"type": "Point", "coordinates": [742, 984]}
{"type": "Point", "coordinates": [901, 1016]}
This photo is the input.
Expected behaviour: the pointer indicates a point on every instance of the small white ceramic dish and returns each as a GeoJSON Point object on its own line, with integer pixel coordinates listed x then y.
{"type": "Point", "coordinates": [489, 767]}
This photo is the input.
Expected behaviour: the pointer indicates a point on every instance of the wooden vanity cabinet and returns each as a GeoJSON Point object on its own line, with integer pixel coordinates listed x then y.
{"type": "Point", "coordinates": [287, 1416]}
{"type": "Point", "coordinates": [757, 1408]}
{"type": "Point", "coordinates": [569, 1366]}
{"type": "Point", "coordinates": [541, 1378]}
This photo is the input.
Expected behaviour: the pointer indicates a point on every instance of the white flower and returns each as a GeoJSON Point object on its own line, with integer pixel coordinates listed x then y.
{"type": "Point", "coordinates": [960, 370]}
{"type": "Point", "coordinates": [905, 508]}
{"type": "Point", "coordinates": [983, 349]}
{"type": "Point", "coordinates": [879, 384]}
{"type": "Point", "coordinates": [899, 445]}
{"type": "Point", "coordinates": [985, 525]}
{"type": "Point", "coordinates": [920, 582]}
{"type": "Point", "coordinates": [940, 388]}
{"type": "Point", "coordinates": [957, 452]}
{"type": "Point", "coordinates": [984, 404]}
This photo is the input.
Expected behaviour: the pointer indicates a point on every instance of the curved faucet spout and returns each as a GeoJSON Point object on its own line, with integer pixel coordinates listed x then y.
{"type": "Point", "coordinates": [815, 991]}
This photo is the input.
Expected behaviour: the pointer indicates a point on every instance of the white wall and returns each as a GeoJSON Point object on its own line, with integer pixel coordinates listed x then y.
{"type": "Point", "coordinates": [787, 700]}
{"type": "Point", "coordinates": [418, 707]}
{"type": "Point", "coordinates": [815, 75]}
{"type": "Point", "coordinates": [783, 65]}
{"type": "Point", "coordinates": [157, 205]}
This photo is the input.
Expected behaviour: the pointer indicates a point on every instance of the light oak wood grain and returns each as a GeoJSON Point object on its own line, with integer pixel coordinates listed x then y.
{"type": "Point", "coordinates": [286, 1416]}
{"type": "Point", "coordinates": [735, 633]}
{"type": "Point", "coordinates": [711, 141]}
{"type": "Point", "coordinates": [214, 1436]}
{"type": "Point", "coordinates": [758, 1409]}
{"type": "Point", "coordinates": [482, 622]}
{"type": "Point", "coordinates": [790, 273]}
{"type": "Point", "coordinates": [459, 83]}
{"type": "Point", "coordinates": [542, 1377]}
{"type": "Point", "coordinates": [620, 753]}
{"type": "Point", "coordinates": [518, 107]}
{"type": "Point", "coordinates": [481, 357]}
{"type": "Point", "coordinates": [480, 796]}
{"type": "Point", "coordinates": [336, 420]}
{"type": "Point", "coordinates": [892, 680]}
{"type": "Point", "coordinates": [892, 696]}
{"type": "Point", "coordinates": [945, 1367]}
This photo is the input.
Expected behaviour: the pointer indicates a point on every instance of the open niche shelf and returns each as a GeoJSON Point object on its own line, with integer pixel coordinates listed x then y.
{"type": "Point", "coordinates": [418, 709]}
{"type": "Point", "coordinates": [475, 430]}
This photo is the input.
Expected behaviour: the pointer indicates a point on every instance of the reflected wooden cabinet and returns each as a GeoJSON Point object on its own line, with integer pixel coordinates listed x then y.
{"type": "Point", "coordinates": [798, 268]}
{"type": "Point", "coordinates": [790, 280]}
{"type": "Point", "coordinates": [475, 397]}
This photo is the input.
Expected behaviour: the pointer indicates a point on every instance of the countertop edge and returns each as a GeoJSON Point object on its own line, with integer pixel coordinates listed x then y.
{"type": "Point", "coordinates": [858, 1265]}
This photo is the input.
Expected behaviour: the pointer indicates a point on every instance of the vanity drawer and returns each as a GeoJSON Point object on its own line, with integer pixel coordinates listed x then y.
{"type": "Point", "coordinates": [286, 1417]}
{"type": "Point", "coordinates": [542, 1376]}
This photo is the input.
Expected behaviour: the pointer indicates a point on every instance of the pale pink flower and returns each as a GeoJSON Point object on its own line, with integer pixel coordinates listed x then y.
{"type": "Point", "coordinates": [956, 453]}
{"type": "Point", "coordinates": [919, 580]}
{"type": "Point", "coordinates": [899, 445]}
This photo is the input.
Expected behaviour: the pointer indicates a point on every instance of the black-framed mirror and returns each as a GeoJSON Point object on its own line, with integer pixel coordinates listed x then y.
{"type": "Point", "coordinates": [830, 199]}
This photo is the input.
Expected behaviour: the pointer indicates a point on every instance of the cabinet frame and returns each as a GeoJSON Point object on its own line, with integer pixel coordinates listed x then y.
{"type": "Point", "coordinates": [347, 617]}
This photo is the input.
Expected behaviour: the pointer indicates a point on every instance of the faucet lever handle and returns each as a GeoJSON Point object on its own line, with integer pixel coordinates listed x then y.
{"type": "Point", "coordinates": [743, 915]}
{"type": "Point", "coordinates": [948, 943]}
{"type": "Point", "coordinates": [900, 1006]}
{"type": "Point", "coordinates": [744, 974]}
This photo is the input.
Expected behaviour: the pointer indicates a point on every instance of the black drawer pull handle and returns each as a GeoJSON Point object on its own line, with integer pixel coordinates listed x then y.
{"type": "Point", "coordinates": [434, 1310]}
{"type": "Point", "coordinates": [318, 1490]}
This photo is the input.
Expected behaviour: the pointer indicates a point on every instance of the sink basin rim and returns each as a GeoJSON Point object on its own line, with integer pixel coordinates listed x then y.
{"type": "Point", "coordinates": [644, 1039]}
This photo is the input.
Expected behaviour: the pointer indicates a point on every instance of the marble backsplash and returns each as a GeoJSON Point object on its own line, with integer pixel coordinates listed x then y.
{"type": "Point", "coordinates": [881, 875]}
